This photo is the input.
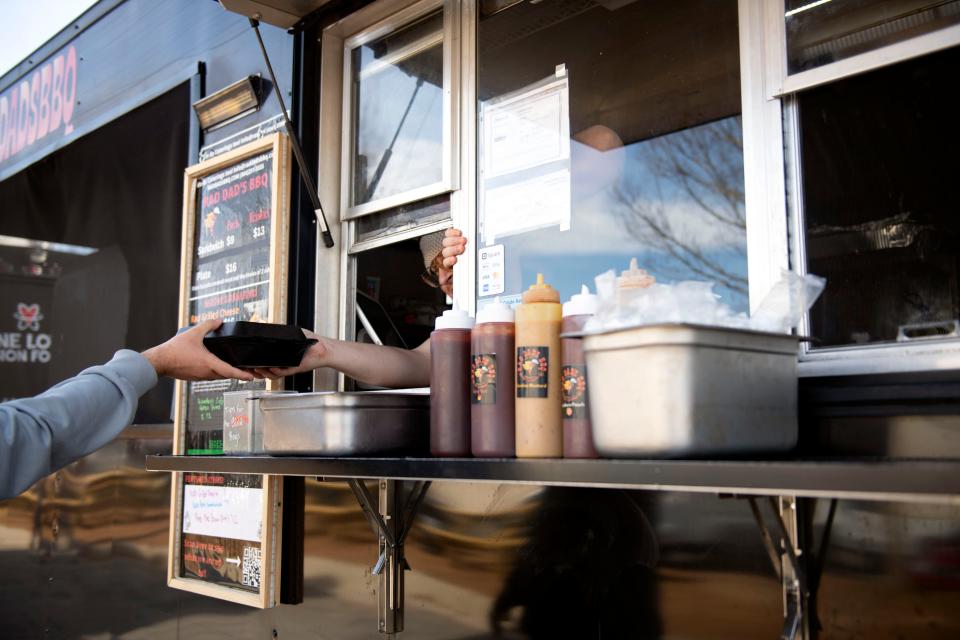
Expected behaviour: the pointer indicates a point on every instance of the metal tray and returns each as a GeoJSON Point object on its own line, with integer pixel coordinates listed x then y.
{"type": "Point", "coordinates": [346, 424]}
{"type": "Point", "coordinates": [676, 390]}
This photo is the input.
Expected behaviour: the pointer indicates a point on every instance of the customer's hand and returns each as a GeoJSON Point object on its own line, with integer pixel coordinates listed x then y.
{"type": "Point", "coordinates": [315, 357]}
{"type": "Point", "coordinates": [184, 357]}
{"type": "Point", "coordinates": [454, 244]}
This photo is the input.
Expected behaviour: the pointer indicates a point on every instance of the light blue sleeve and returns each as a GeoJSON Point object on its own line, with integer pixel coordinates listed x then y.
{"type": "Point", "coordinates": [41, 434]}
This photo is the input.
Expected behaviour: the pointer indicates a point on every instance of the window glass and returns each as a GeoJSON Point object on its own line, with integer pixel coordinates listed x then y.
{"type": "Point", "coordinates": [403, 218]}
{"type": "Point", "coordinates": [878, 160]}
{"type": "Point", "coordinates": [398, 112]}
{"type": "Point", "coordinates": [823, 31]}
{"type": "Point", "coordinates": [610, 130]}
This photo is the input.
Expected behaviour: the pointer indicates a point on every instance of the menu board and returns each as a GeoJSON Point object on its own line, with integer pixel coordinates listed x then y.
{"type": "Point", "coordinates": [225, 528]}
{"type": "Point", "coordinates": [231, 276]}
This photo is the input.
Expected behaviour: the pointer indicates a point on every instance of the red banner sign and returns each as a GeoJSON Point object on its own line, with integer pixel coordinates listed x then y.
{"type": "Point", "coordinates": [41, 105]}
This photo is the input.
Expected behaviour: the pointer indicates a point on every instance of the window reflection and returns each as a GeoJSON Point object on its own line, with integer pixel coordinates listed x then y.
{"type": "Point", "coordinates": [823, 31]}
{"type": "Point", "coordinates": [403, 218]}
{"type": "Point", "coordinates": [656, 157]}
{"type": "Point", "coordinates": [681, 197]}
{"type": "Point", "coordinates": [398, 112]}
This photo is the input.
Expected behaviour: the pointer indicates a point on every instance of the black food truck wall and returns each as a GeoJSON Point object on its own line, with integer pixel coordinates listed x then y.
{"type": "Point", "coordinates": [83, 553]}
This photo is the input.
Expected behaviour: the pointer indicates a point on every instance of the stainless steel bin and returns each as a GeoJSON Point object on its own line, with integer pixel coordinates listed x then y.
{"type": "Point", "coordinates": [674, 390]}
{"type": "Point", "coordinates": [346, 424]}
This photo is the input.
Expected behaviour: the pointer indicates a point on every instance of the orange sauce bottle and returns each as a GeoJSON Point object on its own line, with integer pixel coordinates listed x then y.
{"type": "Point", "coordinates": [539, 423]}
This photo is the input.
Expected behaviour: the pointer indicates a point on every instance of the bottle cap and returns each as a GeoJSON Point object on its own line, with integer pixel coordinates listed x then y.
{"type": "Point", "coordinates": [496, 311]}
{"type": "Point", "coordinates": [581, 304]}
{"type": "Point", "coordinates": [634, 277]}
{"type": "Point", "coordinates": [540, 292]}
{"type": "Point", "coordinates": [454, 319]}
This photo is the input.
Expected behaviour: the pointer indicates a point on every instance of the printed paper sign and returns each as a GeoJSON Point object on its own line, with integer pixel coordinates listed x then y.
{"type": "Point", "coordinates": [532, 204]}
{"type": "Point", "coordinates": [525, 131]}
{"type": "Point", "coordinates": [223, 512]}
{"type": "Point", "coordinates": [525, 160]}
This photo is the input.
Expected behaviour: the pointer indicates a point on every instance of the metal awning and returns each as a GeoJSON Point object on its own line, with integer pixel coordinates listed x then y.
{"type": "Point", "coordinates": [279, 13]}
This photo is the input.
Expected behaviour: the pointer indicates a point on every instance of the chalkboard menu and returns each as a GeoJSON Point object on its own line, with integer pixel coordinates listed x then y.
{"type": "Point", "coordinates": [225, 528]}
{"type": "Point", "coordinates": [231, 276]}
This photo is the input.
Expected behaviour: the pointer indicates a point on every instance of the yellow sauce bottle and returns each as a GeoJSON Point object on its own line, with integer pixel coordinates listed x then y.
{"type": "Point", "coordinates": [539, 419]}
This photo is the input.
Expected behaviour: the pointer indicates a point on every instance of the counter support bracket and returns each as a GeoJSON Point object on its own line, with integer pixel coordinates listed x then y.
{"type": "Point", "coordinates": [784, 551]}
{"type": "Point", "coordinates": [393, 521]}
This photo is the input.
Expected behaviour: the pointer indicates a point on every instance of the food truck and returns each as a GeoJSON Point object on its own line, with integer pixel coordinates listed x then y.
{"type": "Point", "coordinates": [291, 162]}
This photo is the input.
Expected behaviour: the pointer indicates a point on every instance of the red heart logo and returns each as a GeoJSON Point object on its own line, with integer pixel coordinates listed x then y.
{"type": "Point", "coordinates": [28, 311]}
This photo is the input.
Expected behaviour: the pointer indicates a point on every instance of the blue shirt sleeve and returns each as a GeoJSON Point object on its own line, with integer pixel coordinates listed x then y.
{"type": "Point", "coordinates": [41, 434]}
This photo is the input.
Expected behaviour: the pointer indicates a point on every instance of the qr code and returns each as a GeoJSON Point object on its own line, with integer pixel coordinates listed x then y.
{"type": "Point", "coordinates": [251, 567]}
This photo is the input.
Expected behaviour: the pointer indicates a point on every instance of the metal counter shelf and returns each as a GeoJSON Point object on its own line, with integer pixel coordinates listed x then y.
{"type": "Point", "coordinates": [860, 479]}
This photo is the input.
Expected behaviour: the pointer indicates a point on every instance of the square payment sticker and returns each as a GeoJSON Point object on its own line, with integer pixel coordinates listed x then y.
{"type": "Point", "coordinates": [490, 270]}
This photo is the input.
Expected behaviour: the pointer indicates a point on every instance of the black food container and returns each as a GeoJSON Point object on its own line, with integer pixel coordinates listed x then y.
{"type": "Point", "coordinates": [258, 344]}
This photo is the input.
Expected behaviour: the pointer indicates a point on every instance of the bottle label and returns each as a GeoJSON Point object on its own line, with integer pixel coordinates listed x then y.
{"type": "Point", "coordinates": [573, 390]}
{"type": "Point", "coordinates": [533, 371]}
{"type": "Point", "coordinates": [483, 378]}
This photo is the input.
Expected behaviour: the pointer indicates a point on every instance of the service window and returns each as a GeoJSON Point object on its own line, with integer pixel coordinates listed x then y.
{"type": "Point", "coordinates": [609, 130]}
{"type": "Point", "coordinates": [398, 167]}
{"type": "Point", "coordinates": [871, 142]}
{"type": "Point", "coordinates": [880, 213]}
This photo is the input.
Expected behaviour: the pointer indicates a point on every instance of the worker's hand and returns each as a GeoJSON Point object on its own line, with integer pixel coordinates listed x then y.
{"type": "Point", "coordinates": [454, 244]}
{"type": "Point", "coordinates": [315, 357]}
{"type": "Point", "coordinates": [184, 357]}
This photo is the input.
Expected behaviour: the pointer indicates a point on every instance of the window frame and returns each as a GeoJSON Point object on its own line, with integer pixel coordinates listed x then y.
{"type": "Point", "coordinates": [335, 306]}
{"type": "Point", "coordinates": [450, 141]}
{"type": "Point", "coordinates": [773, 174]}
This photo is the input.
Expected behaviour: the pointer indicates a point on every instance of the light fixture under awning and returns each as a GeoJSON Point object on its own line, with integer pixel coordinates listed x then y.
{"type": "Point", "coordinates": [279, 13]}
{"type": "Point", "coordinates": [228, 104]}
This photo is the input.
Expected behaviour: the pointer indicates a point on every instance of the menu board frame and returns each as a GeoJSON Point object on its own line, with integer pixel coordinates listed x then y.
{"type": "Point", "coordinates": [267, 594]}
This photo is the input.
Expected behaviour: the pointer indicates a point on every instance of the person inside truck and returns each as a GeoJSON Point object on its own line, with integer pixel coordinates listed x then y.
{"type": "Point", "coordinates": [381, 365]}
{"type": "Point", "coordinates": [42, 434]}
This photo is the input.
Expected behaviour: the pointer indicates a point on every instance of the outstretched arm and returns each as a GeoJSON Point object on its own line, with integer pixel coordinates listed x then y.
{"type": "Point", "coordinates": [41, 434]}
{"type": "Point", "coordinates": [373, 364]}
{"type": "Point", "coordinates": [369, 363]}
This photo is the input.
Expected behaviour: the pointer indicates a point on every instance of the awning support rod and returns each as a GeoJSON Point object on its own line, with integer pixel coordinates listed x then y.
{"type": "Point", "coordinates": [297, 151]}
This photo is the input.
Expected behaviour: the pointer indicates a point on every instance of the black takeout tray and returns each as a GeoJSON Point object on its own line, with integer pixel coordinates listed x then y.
{"type": "Point", "coordinates": [258, 344]}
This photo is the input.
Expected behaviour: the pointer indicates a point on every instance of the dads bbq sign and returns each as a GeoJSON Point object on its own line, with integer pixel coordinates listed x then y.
{"type": "Point", "coordinates": [39, 108]}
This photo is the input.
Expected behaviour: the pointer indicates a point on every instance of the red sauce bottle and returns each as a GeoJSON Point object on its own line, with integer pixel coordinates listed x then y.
{"type": "Point", "coordinates": [492, 382]}
{"type": "Point", "coordinates": [577, 432]}
{"type": "Point", "coordinates": [450, 385]}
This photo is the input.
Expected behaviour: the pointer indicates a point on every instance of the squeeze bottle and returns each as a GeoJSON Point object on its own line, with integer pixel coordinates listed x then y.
{"type": "Point", "coordinates": [632, 279]}
{"type": "Point", "coordinates": [539, 429]}
{"type": "Point", "coordinates": [450, 384]}
{"type": "Point", "coordinates": [577, 433]}
{"type": "Point", "coordinates": [493, 375]}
